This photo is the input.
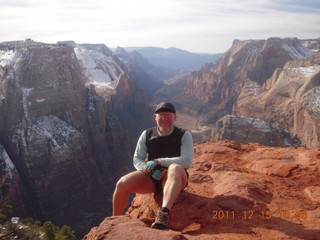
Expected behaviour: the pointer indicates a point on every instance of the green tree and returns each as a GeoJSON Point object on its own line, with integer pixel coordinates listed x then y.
{"type": "Point", "coordinates": [27, 221]}
{"type": "Point", "coordinates": [66, 233]}
{"type": "Point", "coordinates": [5, 210]}
{"type": "Point", "coordinates": [50, 230]}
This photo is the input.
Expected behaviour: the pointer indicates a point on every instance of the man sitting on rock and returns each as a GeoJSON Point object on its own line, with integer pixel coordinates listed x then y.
{"type": "Point", "coordinates": [162, 155]}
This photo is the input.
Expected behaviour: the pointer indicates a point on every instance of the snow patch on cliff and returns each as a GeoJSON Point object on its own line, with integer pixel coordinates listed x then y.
{"type": "Point", "coordinates": [99, 68]}
{"type": "Point", "coordinates": [312, 100]}
{"type": "Point", "coordinates": [40, 100]}
{"type": "Point", "coordinates": [6, 57]}
{"type": "Point", "coordinates": [25, 94]}
{"type": "Point", "coordinates": [58, 131]}
{"type": "Point", "coordinates": [317, 99]}
{"type": "Point", "coordinates": [260, 124]}
{"type": "Point", "coordinates": [250, 89]}
{"type": "Point", "coordinates": [307, 71]}
{"type": "Point", "coordinates": [297, 51]}
{"type": "Point", "coordinates": [8, 164]}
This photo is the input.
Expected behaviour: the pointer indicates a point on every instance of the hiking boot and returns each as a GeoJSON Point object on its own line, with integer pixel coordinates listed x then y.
{"type": "Point", "coordinates": [161, 221]}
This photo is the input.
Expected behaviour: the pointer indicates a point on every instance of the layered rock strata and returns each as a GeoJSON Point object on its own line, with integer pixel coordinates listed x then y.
{"type": "Point", "coordinates": [68, 116]}
{"type": "Point", "coordinates": [254, 60]}
{"type": "Point", "coordinates": [274, 79]}
{"type": "Point", "coordinates": [290, 99]}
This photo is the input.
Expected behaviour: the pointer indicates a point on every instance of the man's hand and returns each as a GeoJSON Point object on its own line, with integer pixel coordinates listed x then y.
{"type": "Point", "coordinates": [150, 167]}
{"type": "Point", "coordinates": [153, 168]}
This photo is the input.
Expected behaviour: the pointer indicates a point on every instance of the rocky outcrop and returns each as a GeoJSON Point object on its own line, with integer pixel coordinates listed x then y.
{"type": "Point", "coordinates": [65, 134]}
{"type": "Point", "coordinates": [245, 130]}
{"type": "Point", "coordinates": [253, 60]}
{"type": "Point", "coordinates": [271, 79]}
{"type": "Point", "coordinates": [235, 191]}
{"type": "Point", "coordinates": [312, 44]}
{"type": "Point", "coordinates": [290, 99]}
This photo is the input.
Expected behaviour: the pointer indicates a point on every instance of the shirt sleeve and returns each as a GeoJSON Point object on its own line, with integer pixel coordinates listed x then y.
{"type": "Point", "coordinates": [140, 153]}
{"type": "Point", "coordinates": [186, 154]}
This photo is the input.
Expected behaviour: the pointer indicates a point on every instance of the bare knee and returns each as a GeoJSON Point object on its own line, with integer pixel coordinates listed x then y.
{"type": "Point", "coordinates": [175, 170]}
{"type": "Point", "coordinates": [177, 173]}
{"type": "Point", "coordinates": [122, 185]}
{"type": "Point", "coordinates": [135, 182]}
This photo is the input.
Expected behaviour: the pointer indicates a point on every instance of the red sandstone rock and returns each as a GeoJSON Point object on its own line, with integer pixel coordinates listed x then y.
{"type": "Point", "coordinates": [232, 194]}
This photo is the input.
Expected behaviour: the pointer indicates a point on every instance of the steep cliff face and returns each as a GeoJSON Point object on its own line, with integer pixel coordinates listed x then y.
{"type": "Point", "coordinates": [290, 98]}
{"type": "Point", "coordinates": [61, 142]}
{"type": "Point", "coordinates": [312, 44]}
{"type": "Point", "coordinates": [251, 60]}
{"type": "Point", "coordinates": [274, 79]}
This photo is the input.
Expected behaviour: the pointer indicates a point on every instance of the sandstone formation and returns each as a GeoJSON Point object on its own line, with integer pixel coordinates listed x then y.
{"type": "Point", "coordinates": [245, 130]}
{"type": "Point", "coordinates": [290, 99]}
{"type": "Point", "coordinates": [312, 44]}
{"type": "Point", "coordinates": [68, 116]}
{"type": "Point", "coordinates": [274, 79]}
{"type": "Point", "coordinates": [255, 60]}
{"type": "Point", "coordinates": [235, 191]}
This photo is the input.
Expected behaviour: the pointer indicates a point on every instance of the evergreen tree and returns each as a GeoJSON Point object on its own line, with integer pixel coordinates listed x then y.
{"type": "Point", "coordinates": [50, 230]}
{"type": "Point", "coordinates": [5, 210]}
{"type": "Point", "coordinates": [66, 233]}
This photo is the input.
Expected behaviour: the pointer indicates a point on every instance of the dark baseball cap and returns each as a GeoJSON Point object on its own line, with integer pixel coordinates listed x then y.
{"type": "Point", "coordinates": [165, 107]}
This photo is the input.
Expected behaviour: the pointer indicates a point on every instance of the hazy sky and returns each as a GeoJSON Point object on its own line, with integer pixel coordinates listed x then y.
{"type": "Point", "coordinates": [194, 25]}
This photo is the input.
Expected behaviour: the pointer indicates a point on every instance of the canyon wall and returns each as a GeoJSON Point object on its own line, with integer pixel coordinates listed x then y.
{"type": "Point", "coordinates": [274, 79]}
{"type": "Point", "coordinates": [68, 119]}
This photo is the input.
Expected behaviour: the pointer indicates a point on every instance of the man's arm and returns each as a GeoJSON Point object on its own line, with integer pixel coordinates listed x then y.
{"type": "Point", "coordinates": [186, 154]}
{"type": "Point", "coordinates": [140, 153]}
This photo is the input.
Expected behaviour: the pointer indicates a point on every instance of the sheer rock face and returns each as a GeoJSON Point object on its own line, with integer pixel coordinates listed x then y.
{"type": "Point", "coordinates": [275, 80]}
{"type": "Point", "coordinates": [290, 99]}
{"type": "Point", "coordinates": [245, 130]}
{"type": "Point", "coordinates": [235, 191]}
{"type": "Point", "coordinates": [253, 60]}
{"type": "Point", "coordinates": [63, 115]}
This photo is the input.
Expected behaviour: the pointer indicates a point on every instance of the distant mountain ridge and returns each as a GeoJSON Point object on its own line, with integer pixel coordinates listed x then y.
{"type": "Point", "coordinates": [175, 58]}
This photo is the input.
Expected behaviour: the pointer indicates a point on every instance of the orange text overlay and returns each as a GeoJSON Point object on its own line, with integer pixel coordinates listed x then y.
{"type": "Point", "coordinates": [267, 214]}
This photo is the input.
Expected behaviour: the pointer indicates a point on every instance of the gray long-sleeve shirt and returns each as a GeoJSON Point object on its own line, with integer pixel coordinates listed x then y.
{"type": "Point", "coordinates": [184, 160]}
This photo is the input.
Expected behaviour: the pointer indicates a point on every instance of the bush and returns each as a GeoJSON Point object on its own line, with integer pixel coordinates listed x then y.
{"type": "Point", "coordinates": [66, 233]}
{"type": "Point", "coordinates": [5, 210]}
{"type": "Point", "coordinates": [29, 229]}
{"type": "Point", "coordinates": [50, 230]}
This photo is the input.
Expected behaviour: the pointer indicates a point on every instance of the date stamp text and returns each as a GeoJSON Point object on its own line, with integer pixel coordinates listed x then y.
{"type": "Point", "coordinates": [267, 214]}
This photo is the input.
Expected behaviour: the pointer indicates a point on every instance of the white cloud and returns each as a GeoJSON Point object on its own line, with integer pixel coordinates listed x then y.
{"type": "Point", "coordinates": [198, 26]}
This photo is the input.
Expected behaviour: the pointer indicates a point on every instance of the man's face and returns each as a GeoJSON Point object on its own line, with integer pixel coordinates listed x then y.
{"type": "Point", "coordinates": [165, 121]}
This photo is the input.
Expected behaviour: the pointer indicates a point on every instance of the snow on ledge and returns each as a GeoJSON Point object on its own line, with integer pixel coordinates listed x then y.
{"type": "Point", "coordinates": [9, 166]}
{"type": "Point", "coordinates": [100, 69]}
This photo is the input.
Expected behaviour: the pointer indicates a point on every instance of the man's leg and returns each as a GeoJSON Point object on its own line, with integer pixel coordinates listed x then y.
{"type": "Point", "coordinates": [134, 182]}
{"type": "Point", "coordinates": [175, 181]}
